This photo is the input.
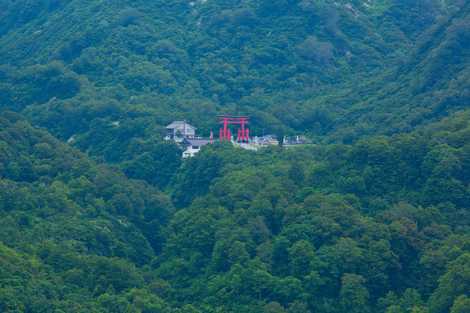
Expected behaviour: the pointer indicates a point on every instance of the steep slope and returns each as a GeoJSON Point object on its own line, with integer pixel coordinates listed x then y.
{"type": "Point", "coordinates": [148, 63]}
{"type": "Point", "coordinates": [432, 83]}
{"type": "Point", "coordinates": [379, 226]}
{"type": "Point", "coordinates": [71, 231]}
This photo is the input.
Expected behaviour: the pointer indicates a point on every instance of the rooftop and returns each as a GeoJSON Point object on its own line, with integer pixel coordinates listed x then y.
{"type": "Point", "coordinates": [198, 142]}
{"type": "Point", "coordinates": [180, 124]}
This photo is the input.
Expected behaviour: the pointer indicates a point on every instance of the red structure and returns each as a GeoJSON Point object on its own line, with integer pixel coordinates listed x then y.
{"type": "Point", "coordinates": [243, 134]}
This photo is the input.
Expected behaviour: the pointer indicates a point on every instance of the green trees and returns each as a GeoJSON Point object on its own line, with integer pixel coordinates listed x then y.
{"type": "Point", "coordinates": [75, 230]}
{"type": "Point", "coordinates": [302, 259]}
{"type": "Point", "coordinates": [157, 166]}
{"type": "Point", "coordinates": [373, 218]}
{"type": "Point", "coordinates": [314, 50]}
{"type": "Point", "coordinates": [275, 230]}
{"type": "Point", "coordinates": [310, 72]}
{"type": "Point", "coordinates": [461, 304]}
{"type": "Point", "coordinates": [194, 177]}
{"type": "Point", "coordinates": [38, 84]}
{"type": "Point", "coordinates": [452, 286]}
{"type": "Point", "coordinates": [353, 295]}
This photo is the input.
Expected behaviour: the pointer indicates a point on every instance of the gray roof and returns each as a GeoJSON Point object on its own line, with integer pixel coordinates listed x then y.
{"type": "Point", "coordinates": [268, 137]}
{"type": "Point", "coordinates": [198, 142]}
{"type": "Point", "coordinates": [179, 125]}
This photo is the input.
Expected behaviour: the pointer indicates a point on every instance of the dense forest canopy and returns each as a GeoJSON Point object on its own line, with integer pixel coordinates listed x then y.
{"type": "Point", "coordinates": [99, 214]}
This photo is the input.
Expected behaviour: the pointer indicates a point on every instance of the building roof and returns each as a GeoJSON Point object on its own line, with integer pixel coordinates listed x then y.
{"type": "Point", "coordinates": [268, 137]}
{"type": "Point", "coordinates": [296, 140]}
{"type": "Point", "coordinates": [179, 125]}
{"type": "Point", "coordinates": [198, 142]}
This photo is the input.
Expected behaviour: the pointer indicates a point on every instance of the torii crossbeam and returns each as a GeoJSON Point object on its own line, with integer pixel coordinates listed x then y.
{"type": "Point", "coordinates": [243, 132]}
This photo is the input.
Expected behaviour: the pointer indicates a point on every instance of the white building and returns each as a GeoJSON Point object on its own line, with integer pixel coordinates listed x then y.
{"type": "Point", "coordinates": [193, 146]}
{"type": "Point", "coordinates": [295, 141]}
{"type": "Point", "coordinates": [179, 130]}
{"type": "Point", "coordinates": [267, 140]}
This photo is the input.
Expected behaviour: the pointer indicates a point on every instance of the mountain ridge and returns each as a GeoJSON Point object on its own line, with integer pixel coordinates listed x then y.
{"type": "Point", "coordinates": [99, 214]}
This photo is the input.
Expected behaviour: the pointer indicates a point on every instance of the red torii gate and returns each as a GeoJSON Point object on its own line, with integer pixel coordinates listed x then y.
{"type": "Point", "coordinates": [243, 132]}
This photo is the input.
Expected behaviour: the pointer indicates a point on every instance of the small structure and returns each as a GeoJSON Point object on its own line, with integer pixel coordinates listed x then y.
{"type": "Point", "coordinates": [295, 141]}
{"type": "Point", "coordinates": [180, 130]}
{"type": "Point", "coordinates": [193, 146]}
{"type": "Point", "coordinates": [257, 143]}
{"type": "Point", "coordinates": [225, 133]}
{"type": "Point", "coordinates": [267, 140]}
{"type": "Point", "coordinates": [184, 135]}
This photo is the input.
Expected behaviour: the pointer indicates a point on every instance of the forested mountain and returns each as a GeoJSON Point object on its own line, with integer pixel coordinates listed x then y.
{"type": "Point", "coordinates": [380, 226]}
{"type": "Point", "coordinates": [293, 66]}
{"type": "Point", "coordinates": [70, 229]}
{"type": "Point", "coordinates": [430, 84]}
{"type": "Point", "coordinates": [99, 214]}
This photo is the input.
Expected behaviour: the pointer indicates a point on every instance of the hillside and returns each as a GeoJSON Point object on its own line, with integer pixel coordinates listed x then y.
{"type": "Point", "coordinates": [70, 227]}
{"type": "Point", "coordinates": [379, 226]}
{"type": "Point", "coordinates": [290, 65]}
{"type": "Point", "coordinates": [432, 83]}
{"type": "Point", "coordinates": [99, 214]}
